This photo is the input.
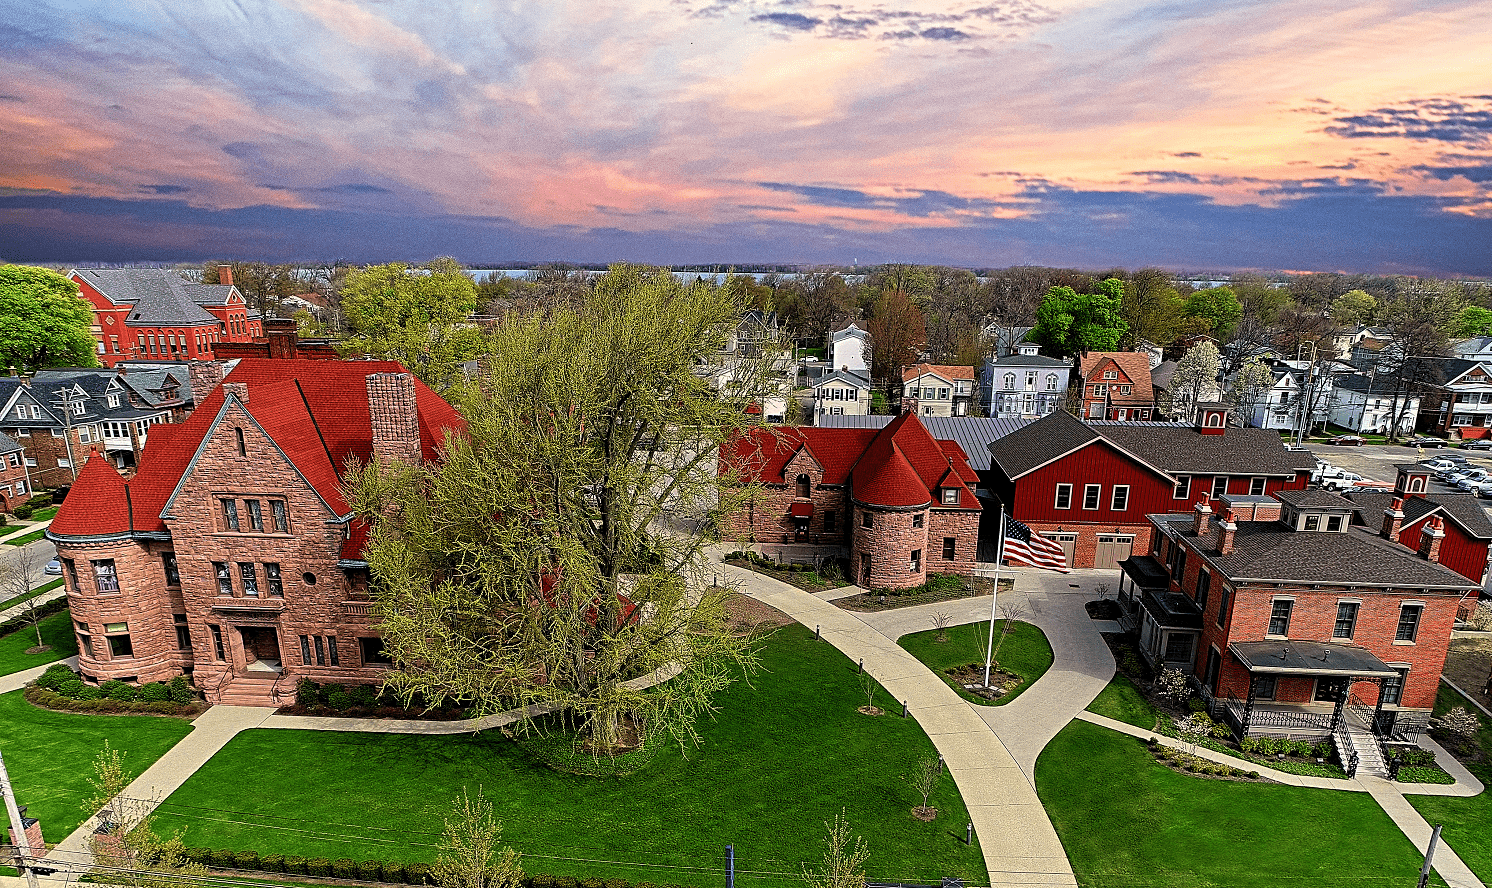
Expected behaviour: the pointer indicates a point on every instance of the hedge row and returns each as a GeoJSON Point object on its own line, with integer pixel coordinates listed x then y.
{"type": "Point", "coordinates": [53, 700]}
{"type": "Point", "coordinates": [374, 870]}
{"type": "Point", "coordinates": [63, 681]}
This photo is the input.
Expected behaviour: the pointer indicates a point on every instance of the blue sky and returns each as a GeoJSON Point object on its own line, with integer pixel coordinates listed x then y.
{"type": "Point", "coordinates": [1230, 135]}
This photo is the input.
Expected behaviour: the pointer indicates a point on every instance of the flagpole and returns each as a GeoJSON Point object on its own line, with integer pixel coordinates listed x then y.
{"type": "Point", "coordinates": [989, 651]}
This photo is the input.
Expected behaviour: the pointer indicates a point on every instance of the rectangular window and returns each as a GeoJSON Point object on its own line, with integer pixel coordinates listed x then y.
{"type": "Point", "coordinates": [1393, 688]}
{"type": "Point", "coordinates": [831, 522]}
{"type": "Point", "coordinates": [1204, 581]}
{"type": "Point", "coordinates": [942, 394]}
{"type": "Point", "coordinates": [250, 576]}
{"type": "Point", "coordinates": [277, 511]}
{"type": "Point", "coordinates": [1091, 494]}
{"type": "Point", "coordinates": [1256, 487]}
{"type": "Point", "coordinates": [1409, 615]}
{"type": "Point", "coordinates": [305, 649]}
{"type": "Point", "coordinates": [183, 635]}
{"type": "Point", "coordinates": [85, 644]}
{"type": "Point", "coordinates": [1223, 595]}
{"type": "Point", "coordinates": [950, 496]}
{"type": "Point", "coordinates": [1178, 564]}
{"type": "Point", "coordinates": [1064, 497]}
{"type": "Point", "coordinates": [1279, 617]}
{"type": "Point", "coordinates": [950, 548]}
{"type": "Point", "coordinates": [1264, 687]}
{"type": "Point", "coordinates": [1334, 524]}
{"type": "Point", "coordinates": [1179, 647]}
{"type": "Point", "coordinates": [221, 570]}
{"type": "Point", "coordinates": [1119, 502]}
{"type": "Point", "coordinates": [1219, 486]}
{"type": "Point", "coordinates": [320, 650]}
{"type": "Point", "coordinates": [373, 652]}
{"type": "Point", "coordinates": [867, 520]}
{"type": "Point", "coordinates": [71, 568]}
{"type": "Point", "coordinates": [918, 519]}
{"type": "Point", "coordinates": [272, 580]}
{"type": "Point", "coordinates": [331, 650]}
{"type": "Point", "coordinates": [217, 643]}
{"type": "Point", "coordinates": [256, 516]}
{"type": "Point", "coordinates": [1312, 522]}
{"type": "Point", "coordinates": [104, 576]}
{"type": "Point", "coordinates": [168, 564]}
{"type": "Point", "coordinates": [1183, 487]}
{"type": "Point", "coordinates": [119, 645]}
{"type": "Point", "coordinates": [230, 514]}
{"type": "Point", "coordinates": [916, 566]}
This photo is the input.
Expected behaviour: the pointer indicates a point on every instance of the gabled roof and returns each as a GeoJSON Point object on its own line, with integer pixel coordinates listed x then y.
{"type": "Point", "coordinates": [972, 434]}
{"type": "Point", "coordinates": [847, 377]}
{"type": "Point", "coordinates": [8, 444]}
{"type": "Point", "coordinates": [944, 371]}
{"type": "Point", "coordinates": [1051, 437]}
{"type": "Point", "coordinates": [157, 295]}
{"type": "Point", "coordinates": [1462, 509]}
{"type": "Point", "coordinates": [1020, 360]}
{"type": "Point", "coordinates": [1135, 365]}
{"type": "Point", "coordinates": [1162, 374]}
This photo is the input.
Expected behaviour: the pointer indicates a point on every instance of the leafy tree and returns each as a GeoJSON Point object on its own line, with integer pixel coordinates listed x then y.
{"type": "Point", "coordinates": [1472, 321]}
{"type": "Point", "coordinates": [527, 566]}
{"type": "Point", "coordinates": [470, 854]}
{"type": "Point", "coordinates": [43, 321]}
{"type": "Point", "coordinates": [844, 862]}
{"type": "Point", "coordinates": [1076, 323]}
{"type": "Point", "coordinates": [1356, 307]}
{"type": "Point", "coordinates": [264, 286]}
{"type": "Point", "coordinates": [127, 849]}
{"type": "Point", "coordinates": [1152, 307]}
{"type": "Point", "coordinates": [1195, 379]}
{"type": "Point", "coordinates": [1218, 308]}
{"type": "Point", "coordinates": [1251, 387]}
{"type": "Point", "coordinates": [417, 317]}
{"type": "Point", "coordinates": [897, 334]}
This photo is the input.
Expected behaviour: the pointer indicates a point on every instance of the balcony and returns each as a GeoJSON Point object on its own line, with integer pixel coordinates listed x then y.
{"type": "Point", "coordinates": [357, 608]}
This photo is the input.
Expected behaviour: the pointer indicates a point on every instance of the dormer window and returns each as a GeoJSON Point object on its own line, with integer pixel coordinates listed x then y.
{"type": "Point", "coordinates": [950, 496]}
{"type": "Point", "coordinates": [113, 400]}
{"type": "Point", "coordinates": [1312, 522]}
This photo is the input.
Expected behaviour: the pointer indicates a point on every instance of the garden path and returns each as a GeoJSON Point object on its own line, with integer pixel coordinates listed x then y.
{"type": "Point", "coordinates": [17, 680]}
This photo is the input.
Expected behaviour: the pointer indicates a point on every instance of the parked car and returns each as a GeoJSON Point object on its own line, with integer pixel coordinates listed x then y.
{"type": "Point", "coordinates": [54, 567]}
{"type": "Point", "coordinates": [1443, 463]}
{"type": "Point", "coordinates": [1340, 480]}
{"type": "Point", "coordinates": [1431, 443]}
{"type": "Point", "coordinates": [1467, 479]}
{"type": "Point", "coordinates": [1478, 444]}
{"type": "Point", "coordinates": [1345, 441]}
{"type": "Point", "coordinates": [1484, 490]}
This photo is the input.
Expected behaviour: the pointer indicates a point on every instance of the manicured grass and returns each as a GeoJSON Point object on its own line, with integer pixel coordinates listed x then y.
{"type": "Point", "coordinates": [1025, 652]}
{"type": "Point", "coordinates": [782, 755]}
{"type": "Point", "coordinates": [1127, 821]}
{"type": "Point", "coordinates": [1468, 822]}
{"type": "Point", "coordinates": [22, 599]}
{"type": "Point", "coordinates": [1122, 701]}
{"type": "Point", "coordinates": [25, 538]}
{"type": "Point", "coordinates": [56, 631]}
{"type": "Point", "coordinates": [50, 755]}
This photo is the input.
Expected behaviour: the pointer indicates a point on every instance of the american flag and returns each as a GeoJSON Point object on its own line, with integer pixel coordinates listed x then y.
{"type": "Point", "coordinates": [1026, 548]}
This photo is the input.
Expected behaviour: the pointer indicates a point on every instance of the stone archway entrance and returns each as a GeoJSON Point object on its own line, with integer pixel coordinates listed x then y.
{"type": "Point", "coordinates": [261, 648]}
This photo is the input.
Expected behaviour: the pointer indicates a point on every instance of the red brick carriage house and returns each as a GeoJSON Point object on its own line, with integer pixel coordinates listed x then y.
{"type": "Point", "coordinates": [1117, 386]}
{"type": "Point", "coordinates": [231, 555]}
{"type": "Point", "coordinates": [1293, 620]}
{"type": "Point", "coordinates": [148, 314]}
{"type": "Point", "coordinates": [1089, 487]}
{"type": "Point", "coordinates": [894, 501]}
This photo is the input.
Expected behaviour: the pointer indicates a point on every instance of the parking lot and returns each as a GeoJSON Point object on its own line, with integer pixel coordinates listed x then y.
{"type": "Point", "coordinates": [1375, 462]}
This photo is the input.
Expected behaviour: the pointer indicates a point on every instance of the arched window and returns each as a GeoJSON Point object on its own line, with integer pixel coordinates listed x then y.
{"type": "Point", "coordinates": [1416, 485]}
{"type": "Point", "coordinates": [803, 486]}
{"type": "Point", "coordinates": [1051, 382]}
{"type": "Point", "coordinates": [1214, 420]}
{"type": "Point", "coordinates": [1010, 382]}
{"type": "Point", "coordinates": [238, 433]}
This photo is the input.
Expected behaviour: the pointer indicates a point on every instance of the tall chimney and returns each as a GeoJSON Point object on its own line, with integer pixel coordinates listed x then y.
{"type": "Point", "coordinates": [225, 275]}
{"type": "Point", "coordinates": [205, 376]}
{"type": "Point", "coordinates": [1227, 532]}
{"type": "Point", "coordinates": [239, 390]}
{"type": "Point", "coordinates": [394, 416]}
{"type": "Point", "coordinates": [1393, 519]}
{"type": "Point", "coordinates": [1430, 538]}
{"type": "Point", "coordinates": [282, 337]}
{"type": "Point", "coordinates": [1201, 515]}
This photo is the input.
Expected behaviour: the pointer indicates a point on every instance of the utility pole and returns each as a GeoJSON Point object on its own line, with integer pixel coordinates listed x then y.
{"type": "Point", "coordinates": [1424, 871]}
{"type": "Point", "coordinates": [65, 401]}
{"type": "Point", "coordinates": [23, 844]}
{"type": "Point", "coordinates": [730, 866]}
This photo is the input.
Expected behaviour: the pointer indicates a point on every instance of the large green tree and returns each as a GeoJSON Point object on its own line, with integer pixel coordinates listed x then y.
{"type": "Point", "coordinates": [1218, 310]}
{"type": "Point", "coordinates": [43, 321]}
{"type": "Point", "coordinates": [419, 317]}
{"type": "Point", "coordinates": [546, 558]}
{"type": "Point", "coordinates": [1076, 323]}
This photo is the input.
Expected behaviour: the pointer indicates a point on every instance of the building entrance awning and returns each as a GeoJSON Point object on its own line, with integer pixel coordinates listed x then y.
{"type": "Point", "coordinates": [800, 511]}
{"type": "Point", "coordinates": [1145, 572]}
{"type": "Point", "coordinates": [1312, 658]}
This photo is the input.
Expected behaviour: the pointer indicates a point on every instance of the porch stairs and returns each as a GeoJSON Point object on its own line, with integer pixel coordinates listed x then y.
{"type": "Point", "coordinates": [1351, 739]}
{"type": "Point", "coordinates": [256, 689]}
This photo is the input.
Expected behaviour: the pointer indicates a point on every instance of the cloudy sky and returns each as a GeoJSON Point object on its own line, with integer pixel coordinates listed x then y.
{"type": "Point", "coordinates": [1272, 134]}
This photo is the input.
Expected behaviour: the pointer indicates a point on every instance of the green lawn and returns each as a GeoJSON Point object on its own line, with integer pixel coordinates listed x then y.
{"type": "Point", "coordinates": [25, 538]}
{"type": "Point", "coordinates": [1468, 822]}
{"type": "Point", "coordinates": [1127, 821]}
{"type": "Point", "coordinates": [56, 631]}
{"type": "Point", "coordinates": [1025, 652]}
{"type": "Point", "coordinates": [1122, 701]}
{"type": "Point", "coordinates": [50, 755]}
{"type": "Point", "coordinates": [781, 756]}
{"type": "Point", "coordinates": [22, 599]}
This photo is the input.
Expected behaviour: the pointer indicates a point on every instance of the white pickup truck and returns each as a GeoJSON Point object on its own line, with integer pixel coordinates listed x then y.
{"type": "Point", "coordinates": [1338, 479]}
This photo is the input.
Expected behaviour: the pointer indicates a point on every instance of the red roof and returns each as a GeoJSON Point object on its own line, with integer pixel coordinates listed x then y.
{"type": "Point", "coordinates": [947, 371]}
{"type": "Point", "coordinates": [315, 411]}
{"type": "Point", "coordinates": [898, 465]}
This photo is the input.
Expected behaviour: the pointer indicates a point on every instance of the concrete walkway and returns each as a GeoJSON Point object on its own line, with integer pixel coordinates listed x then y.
{"type": "Point", "coordinates": [25, 606]}
{"type": "Point", "coordinates": [17, 680]}
{"type": "Point", "coordinates": [1450, 866]}
{"type": "Point", "coordinates": [22, 531]}
{"type": "Point", "coordinates": [1019, 844]}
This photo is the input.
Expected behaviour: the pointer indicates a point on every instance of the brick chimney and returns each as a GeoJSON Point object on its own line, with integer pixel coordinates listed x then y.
{"type": "Point", "coordinates": [909, 405]}
{"type": "Point", "coordinates": [205, 376]}
{"type": "Point", "coordinates": [1393, 519]}
{"type": "Point", "coordinates": [1227, 532]}
{"type": "Point", "coordinates": [239, 390]}
{"type": "Point", "coordinates": [1430, 538]}
{"type": "Point", "coordinates": [225, 275]}
{"type": "Point", "coordinates": [394, 416]}
{"type": "Point", "coordinates": [282, 337]}
{"type": "Point", "coordinates": [1201, 516]}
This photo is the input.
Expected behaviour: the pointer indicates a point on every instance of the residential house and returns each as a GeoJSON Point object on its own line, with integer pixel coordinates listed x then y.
{"type": "Point", "coordinates": [757, 331]}
{"type": "Point", "coordinates": [1300, 387]}
{"type": "Point", "coordinates": [158, 386]}
{"type": "Point", "coordinates": [1477, 348]}
{"type": "Point", "coordinates": [896, 502]}
{"type": "Point", "coordinates": [848, 347]}
{"type": "Point", "coordinates": [1025, 384]}
{"type": "Point", "coordinates": [1178, 401]}
{"type": "Point", "coordinates": [1007, 339]}
{"type": "Point", "coordinates": [15, 477]}
{"type": "Point", "coordinates": [1295, 621]}
{"type": "Point", "coordinates": [1116, 386]}
{"type": "Point", "coordinates": [937, 390]}
{"type": "Point", "coordinates": [231, 555]}
{"type": "Point", "coordinates": [841, 393]}
{"type": "Point", "coordinates": [155, 313]}
{"type": "Point", "coordinates": [61, 416]}
{"type": "Point", "coordinates": [1090, 486]}
{"type": "Point", "coordinates": [1370, 403]}
{"type": "Point", "coordinates": [1344, 344]}
{"type": "Point", "coordinates": [1458, 398]}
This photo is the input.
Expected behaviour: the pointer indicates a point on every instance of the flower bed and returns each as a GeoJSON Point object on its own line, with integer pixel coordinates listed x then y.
{"type": "Point", "coordinates": [805, 577]}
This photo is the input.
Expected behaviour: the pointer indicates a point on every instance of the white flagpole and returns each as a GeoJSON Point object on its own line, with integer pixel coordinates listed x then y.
{"type": "Point", "coordinates": [989, 651]}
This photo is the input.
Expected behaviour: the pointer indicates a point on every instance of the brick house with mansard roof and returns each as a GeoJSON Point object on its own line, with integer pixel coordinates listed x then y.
{"type": "Point", "coordinates": [1293, 620]}
{"type": "Point", "coordinates": [231, 554]}
{"type": "Point", "coordinates": [899, 503]}
{"type": "Point", "coordinates": [149, 314]}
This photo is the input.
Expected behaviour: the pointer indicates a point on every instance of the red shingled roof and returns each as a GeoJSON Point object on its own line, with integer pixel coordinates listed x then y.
{"type": "Point", "coordinates": [947, 371]}
{"type": "Point", "coordinates": [298, 403]}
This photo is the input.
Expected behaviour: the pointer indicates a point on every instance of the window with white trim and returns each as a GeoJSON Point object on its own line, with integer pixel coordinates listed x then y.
{"type": "Point", "coordinates": [1183, 487]}
{"type": "Point", "coordinates": [1279, 616]}
{"type": "Point", "coordinates": [1256, 487]}
{"type": "Point", "coordinates": [1409, 617]}
{"type": "Point", "coordinates": [1064, 497]}
{"type": "Point", "coordinates": [1092, 493]}
{"type": "Point", "coordinates": [1219, 486]}
{"type": "Point", "coordinates": [1119, 501]}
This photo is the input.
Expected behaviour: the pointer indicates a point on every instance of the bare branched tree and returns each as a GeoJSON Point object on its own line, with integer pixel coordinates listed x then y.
{"type": "Point", "coordinates": [925, 778]}
{"type": "Point", "coordinates": [471, 853]}
{"type": "Point", "coordinates": [844, 860]}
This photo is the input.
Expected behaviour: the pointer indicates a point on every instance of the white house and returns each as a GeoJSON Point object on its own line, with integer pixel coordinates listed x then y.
{"type": "Point", "coordinates": [848, 348]}
{"type": "Point", "coordinates": [1281, 408]}
{"type": "Point", "coordinates": [1367, 404]}
{"type": "Point", "coordinates": [841, 393]}
{"type": "Point", "coordinates": [1026, 384]}
{"type": "Point", "coordinates": [937, 390]}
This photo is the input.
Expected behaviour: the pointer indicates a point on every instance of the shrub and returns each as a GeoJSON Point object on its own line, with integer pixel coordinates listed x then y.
{"type": "Point", "coordinates": [119, 691]}
{"type": "Point", "coordinates": [417, 873]}
{"type": "Point", "coordinates": [222, 859]}
{"type": "Point", "coordinates": [1253, 775]}
{"type": "Point", "coordinates": [56, 676]}
{"type": "Point", "coordinates": [307, 693]}
{"type": "Point", "coordinates": [318, 866]}
{"type": "Point", "coordinates": [90, 692]}
{"type": "Point", "coordinates": [344, 868]}
{"type": "Point", "coordinates": [272, 863]}
{"type": "Point", "coordinates": [394, 872]}
{"type": "Point", "coordinates": [3, 520]}
{"type": "Point", "coordinates": [368, 871]}
{"type": "Point", "coordinates": [1172, 686]}
{"type": "Point", "coordinates": [1129, 663]}
{"type": "Point", "coordinates": [541, 880]}
{"type": "Point", "coordinates": [246, 860]}
{"type": "Point", "coordinates": [295, 864]}
{"type": "Point", "coordinates": [1481, 618]}
{"type": "Point", "coordinates": [362, 695]}
{"type": "Point", "coordinates": [23, 512]}
{"type": "Point", "coordinates": [1459, 723]}
{"type": "Point", "coordinates": [179, 691]}
{"type": "Point", "coordinates": [592, 883]}
{"type": "Point", "coordinates": [154, 692]}
{"type": "Point", "coordinates": [337, 697]}
{"type": "Point", "coordinates": [566, 882]}
{"type": "Point", "coordinates": [1321, 750]}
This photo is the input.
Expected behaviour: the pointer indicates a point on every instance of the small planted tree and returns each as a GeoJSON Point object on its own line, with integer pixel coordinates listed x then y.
{"type": "Point", "coordinates": [471, 855]}
{"type": "Point", "coordinates": [1171, 686]}
{"type": "Point", "coordinates": [1460, 723]}
{"type": "Point", "coordinates": [844, 860]}
{"type": "Point", "coordinates": [126, 849]}
{"type": "Point", "coordinates": [868, 685]}
{"type": "Point", "coordinates": [940, 621]}
{"type": "Point", "coordinates": [1194, 729]}
{"type": "Point", "coordinates": [925, 778]}
{"type": "Point", "coordinates": [1010, 613]}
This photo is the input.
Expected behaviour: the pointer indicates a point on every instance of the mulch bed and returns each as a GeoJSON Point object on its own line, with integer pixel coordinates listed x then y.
{"type": "Point", "coordinates": [389, 712]}
{"type": "Point", "coordinates": [1469, 662]}
{"type": "Point", "coordinates": [745, 612]}
{"type": "Point", "coordinates": [868, 602]}
{"type": "Point", "coordinates": [971, 679]}
{"type": "Point", "coordinates": [1107, 609]}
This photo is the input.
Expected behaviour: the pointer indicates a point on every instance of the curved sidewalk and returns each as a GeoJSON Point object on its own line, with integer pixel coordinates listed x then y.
{"type": "Point", "coordinates": [1019, 844]}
